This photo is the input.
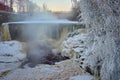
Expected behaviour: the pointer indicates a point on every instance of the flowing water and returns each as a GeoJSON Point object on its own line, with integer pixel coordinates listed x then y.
{"type": "Point", "coordinates": [44, 31]}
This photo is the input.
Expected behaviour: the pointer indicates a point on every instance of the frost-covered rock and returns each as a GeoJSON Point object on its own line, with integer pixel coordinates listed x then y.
{"type": "Point", "coordinates": [79, 47]}
{"type": "Point", "coordinates": [75, 45]}
{"type": "Point", "coordinates": [5, 68]}
{"type": "Point", "coordinates": [11, 55]}
{"type": "Point", "coordinates": [82, 77]}
{"type": "Point", "coordinates": [11, 51]}
{"type": "Point", "coordinates": [60, 71]}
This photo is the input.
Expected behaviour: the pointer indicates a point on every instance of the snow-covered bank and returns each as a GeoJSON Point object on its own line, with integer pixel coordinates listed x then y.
{"type": "Point", "coordinates": [11, 55]}
{"type": "Point", "coordinates": [60, 71]}
{"type": "Point", "coordinates": [11, 51]}
{"type": "Point", "coordinates": [79, 48]}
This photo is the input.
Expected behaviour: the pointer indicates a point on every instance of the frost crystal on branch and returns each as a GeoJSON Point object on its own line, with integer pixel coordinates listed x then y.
{"type": "Point", "coordinates": [102, 18]}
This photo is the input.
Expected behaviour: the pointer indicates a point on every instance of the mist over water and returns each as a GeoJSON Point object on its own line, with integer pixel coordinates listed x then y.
{"type": "Point", "coordinates": [35, 32]}
{"type": "Point", "coordinates": [44, 27]}
{"type": "Point", "coordinates": [41, 37]}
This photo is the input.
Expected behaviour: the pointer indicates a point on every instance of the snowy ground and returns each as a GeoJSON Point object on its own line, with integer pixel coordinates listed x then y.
{"type": "Point", "coordinates": [61, 71]}
{"type": "Point", "coordinates": [82, 77]}
{"type": "Point", "coordinates": [11, 51]}
{"type": "Point", "coordinates": [11, 55]}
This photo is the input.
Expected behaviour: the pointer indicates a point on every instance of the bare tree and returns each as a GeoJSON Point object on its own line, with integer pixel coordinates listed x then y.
{"type": "Point", "coordinates": [45, 7]}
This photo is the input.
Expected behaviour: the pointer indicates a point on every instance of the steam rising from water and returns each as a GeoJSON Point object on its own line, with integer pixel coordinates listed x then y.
{"type": "Point", "coordinates": [40, 37]}
{"type": "Point", "coordinates": [35, 32]}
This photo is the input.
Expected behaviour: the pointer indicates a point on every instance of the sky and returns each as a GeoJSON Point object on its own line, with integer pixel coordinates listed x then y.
{"type": "Point", "coordinates": [55, 5]}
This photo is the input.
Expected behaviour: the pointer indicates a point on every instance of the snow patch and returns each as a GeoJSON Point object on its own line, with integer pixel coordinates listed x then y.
{"type": "Point", "coordinates": [11, 51]}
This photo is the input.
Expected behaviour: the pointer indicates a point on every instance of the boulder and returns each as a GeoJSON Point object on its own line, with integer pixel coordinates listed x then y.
{"type": "Point", "coordinates": [11, 51]}
{"type": "Point", "coordinates": [11, 55]}
{"type": "Point", "coordinates": [74, 46]}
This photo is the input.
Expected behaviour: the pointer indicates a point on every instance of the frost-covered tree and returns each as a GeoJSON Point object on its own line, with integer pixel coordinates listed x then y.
{"type": "Point", "coordinates": [102, 18]}
{"type": "Point", "coordinates": [75, 10]}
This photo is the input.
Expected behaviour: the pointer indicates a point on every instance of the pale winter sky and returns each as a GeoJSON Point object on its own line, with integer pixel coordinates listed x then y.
{"type": "Point", "coordinates": [55, 5]}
